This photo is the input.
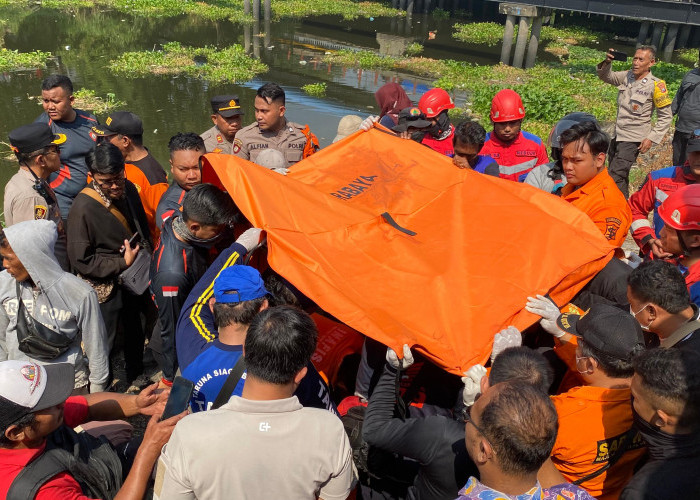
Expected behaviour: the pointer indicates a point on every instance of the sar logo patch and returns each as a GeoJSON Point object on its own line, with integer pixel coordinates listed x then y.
{"type": "Point", "coordinates": [612, 225]}
{"type": "Point", "coordinates": [40, 212]}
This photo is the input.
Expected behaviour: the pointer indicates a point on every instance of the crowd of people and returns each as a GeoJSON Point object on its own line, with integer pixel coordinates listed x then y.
{"type": "Point", "coordinates": [599, 399]}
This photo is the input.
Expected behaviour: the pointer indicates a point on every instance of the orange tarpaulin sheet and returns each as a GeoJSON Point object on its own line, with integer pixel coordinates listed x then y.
{"type": "Point", "coordinates": [450, 264]}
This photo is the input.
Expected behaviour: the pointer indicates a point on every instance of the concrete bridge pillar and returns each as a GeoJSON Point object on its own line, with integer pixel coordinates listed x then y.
{"type": "Point", "coordinates": [268, 15]}
{"type": "Point", "coordinates": [670, 41]}
{"type": "Point", "coordinates": [508, 39]}
{"type": "Point", "coordinates": [656, 34]}
{"type": "Point", "coordinates": [526, 14]}
{"type": "Point", "coordinates": [521, 41]}
{"type": "Point", "coordinates": [684, 36]}
{"type": "Point", "coordinates": [409, 7]}
{"type": "Point", "coordinates": [534, 43]}
{"type": "Point", "coordinates": [643, 33]}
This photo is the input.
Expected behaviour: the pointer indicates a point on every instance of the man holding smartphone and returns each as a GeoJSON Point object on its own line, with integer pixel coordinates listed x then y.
{"type": "Point", "coordinates": [640, 93]}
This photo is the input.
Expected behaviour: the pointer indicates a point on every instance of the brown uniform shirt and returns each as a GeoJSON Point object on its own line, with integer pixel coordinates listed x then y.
{"type": "Point", "coordinates": [289, 140]}
{"type": "Point", "coordinates": [636, 100]}
{"type": "Point", "coordinates": [23, 202]}
{"type": "Point", "coordinates": [216, 142]}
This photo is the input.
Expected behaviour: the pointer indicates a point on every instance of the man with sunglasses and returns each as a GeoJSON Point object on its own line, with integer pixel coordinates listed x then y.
{"type": "Point", "coordinates": [28, 195]}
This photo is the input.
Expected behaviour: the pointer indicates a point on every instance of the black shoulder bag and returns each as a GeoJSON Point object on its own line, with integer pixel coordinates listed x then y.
{"type": "Point", "coordinates": [229, 384]}
{"type": "Point", "coordinates": [34, 339]}
{"type": "Point", "coordinates": [91, 461]}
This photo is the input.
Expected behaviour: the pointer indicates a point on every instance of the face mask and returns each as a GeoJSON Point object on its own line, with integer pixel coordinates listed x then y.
{"type": "Point", "coordinates": [418, 135]}
{"type": "Point", "coordinates": [634, 315]}
{"type": "Point", "coordinates": [663, 445]}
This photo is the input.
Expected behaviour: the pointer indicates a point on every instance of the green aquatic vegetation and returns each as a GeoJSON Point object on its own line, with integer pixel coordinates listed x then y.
{"type": "Point", "coordinates": [480, 33]}
{"type": "Point", "coordinates": [572, 35]}
{"type": "Point", "coordinates": [230, 64]}
{"type": "Point", "coordinates": [439, 13]}
{"type": "Point", "coordinates": [315, 89]}
{"type": "Point", "coordinates": [89, 100]}
{"type": "Point", "coordinates": [365, 59]}
{"type": "Point", "coordinates": [413, 49]}
{"type": "Point", "coordinates": [13, 60]}
{"type": "Point", "coordinates": [348, 9]}
{"type": "Point", "coordinates": [687, 56]}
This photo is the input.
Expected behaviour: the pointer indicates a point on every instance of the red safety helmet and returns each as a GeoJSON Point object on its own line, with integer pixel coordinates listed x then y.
{"type": "Point", "coordinates": [435, 101]}
{"type": "Point", "coordinates": [681, 210]}
{"type": "Point", "coordinates": [507, 106]}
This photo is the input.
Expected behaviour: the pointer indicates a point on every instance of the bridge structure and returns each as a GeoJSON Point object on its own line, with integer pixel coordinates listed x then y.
{"type": "Point", "coordinates": [670, 19]}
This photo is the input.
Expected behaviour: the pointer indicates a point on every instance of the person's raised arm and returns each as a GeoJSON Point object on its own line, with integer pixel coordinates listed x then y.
{"type": "Point", "coordinates": [113, 405]}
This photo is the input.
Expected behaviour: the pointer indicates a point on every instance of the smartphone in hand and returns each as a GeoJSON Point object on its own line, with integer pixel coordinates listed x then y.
{"type": "Point", "coordinates": [132, 242]}
{"type": "Point", "coordinates": [179, 399]}
{"type": "Point", "coordinates": [618, 56]}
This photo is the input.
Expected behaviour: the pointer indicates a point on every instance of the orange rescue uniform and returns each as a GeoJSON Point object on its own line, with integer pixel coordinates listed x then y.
{"type": "Point", "coordinates": [150, 195]}
{"type": "Point", "coordinates": [604, 203]}
{"type": "Point", "coordinates": [592, 423]}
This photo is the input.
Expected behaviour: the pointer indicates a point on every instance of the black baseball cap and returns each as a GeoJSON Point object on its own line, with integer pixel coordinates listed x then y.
{"type": "Point", "coordinates": [32, 137]}
{"type": "Point", "coordinates": [411, 117]}
{"type": "Point", "coordinates": [226, 105]}
{"type": "Point", "coordinates": [693, 145]}
{"type": "Point", "coordinates": [120, 122]}
{"type": "Point", "coordinates": [605, 328]}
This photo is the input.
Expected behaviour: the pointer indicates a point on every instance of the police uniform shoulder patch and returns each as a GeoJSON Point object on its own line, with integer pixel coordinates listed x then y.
{"type": "Point", "coordinates": [40, 212]}
{"type": "Point", "coordinates": [661, 98]}
{"type": "Point", "coordinates": [237, 145]}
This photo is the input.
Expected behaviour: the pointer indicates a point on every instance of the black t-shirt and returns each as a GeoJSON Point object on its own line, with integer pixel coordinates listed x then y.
{"type": "Point", "coordinates": [151, 169]}
{"type": "Point", "coordinates": [665, 479]}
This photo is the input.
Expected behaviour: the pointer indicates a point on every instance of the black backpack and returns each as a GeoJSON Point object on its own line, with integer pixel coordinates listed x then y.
{"type": "Point", "coordinates": [92, 462]}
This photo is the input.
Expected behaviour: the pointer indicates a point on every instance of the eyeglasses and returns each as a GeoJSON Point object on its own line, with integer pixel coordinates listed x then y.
{"type": "Point", "coordinates": [466, 415]}
{"type": "Point", "coordinates": [108, 183]}
{"type": "Point", "coordinates": [53, 150]}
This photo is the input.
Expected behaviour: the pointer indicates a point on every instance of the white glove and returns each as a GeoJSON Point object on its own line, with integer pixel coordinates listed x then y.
{"type": "Point", "coordinates": [508, 337]}
{"type": "Point", "coordinates": [368, 122]}
{"type": "Point", "coordinates": [394, 360]}
{"type": "Point", "coordinates": [472, 384]}
{"type": "Point", "coordinates": [250, 238]}
{"type": "Point", "coordinates": [542, 306]}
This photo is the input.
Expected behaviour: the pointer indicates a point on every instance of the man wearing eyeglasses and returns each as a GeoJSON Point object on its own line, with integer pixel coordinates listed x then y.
{"type": "Point", "coordinates": [28, 195]}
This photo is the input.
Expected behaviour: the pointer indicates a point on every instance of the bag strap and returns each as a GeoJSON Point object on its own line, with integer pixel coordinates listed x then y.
{"type": "Point", "coordinates": [145, 236]}
{"type": "Point", "coordinates": [681, 333]}
{"type": "Point", "coordinates": [627, 439]}
{"type": "Point", "coordinates": [112, 209]}
{"type": "Point", "coordinates": [35, 474]}
{"type": "Point", "coordinates": [230, 384]}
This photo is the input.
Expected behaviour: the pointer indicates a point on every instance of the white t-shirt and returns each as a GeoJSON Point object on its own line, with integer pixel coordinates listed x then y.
{"type": "Point", "coordinates": [257, 449]}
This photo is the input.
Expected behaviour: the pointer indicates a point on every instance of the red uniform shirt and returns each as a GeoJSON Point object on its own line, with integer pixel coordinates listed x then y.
{"type": "Point", "coordinates": [515, 160]}
{"type": "Point", "coordinates": [443, 146]}
{"type": "Point", "coordinates": [61, 487]}
{"type": "Point", "coordinates": [656, 188]}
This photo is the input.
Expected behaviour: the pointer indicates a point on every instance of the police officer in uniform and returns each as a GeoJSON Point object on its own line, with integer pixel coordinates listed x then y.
{"type": "Point", "coordinates": [28, 195]}
{"type": "Point", "coordinates": [227, 117]}
{"type": "Point", "coordinates": [272, 130]}
{"type": "Point", "coordinates": [640, 93]}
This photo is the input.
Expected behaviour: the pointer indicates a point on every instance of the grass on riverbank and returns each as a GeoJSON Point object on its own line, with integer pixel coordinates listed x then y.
{"type": "Point", "coordinates": [224, 9]}
{"type": "Point", "coordinates": [13, 60]}
{"type": "Point", "coordinates": [230, 64]}
{"type": "Point", "coordinates": [549, 90]}
{"type": "Point", "coordinates": [88, 100]}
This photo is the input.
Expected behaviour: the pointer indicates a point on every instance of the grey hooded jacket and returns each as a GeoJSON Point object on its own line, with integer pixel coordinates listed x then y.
{"type": "Point", "coordinates": [58, 300]}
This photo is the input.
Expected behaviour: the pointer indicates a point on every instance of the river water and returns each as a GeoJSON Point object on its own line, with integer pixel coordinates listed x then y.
{"type": "Point", "coordinates": [85, 41]}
